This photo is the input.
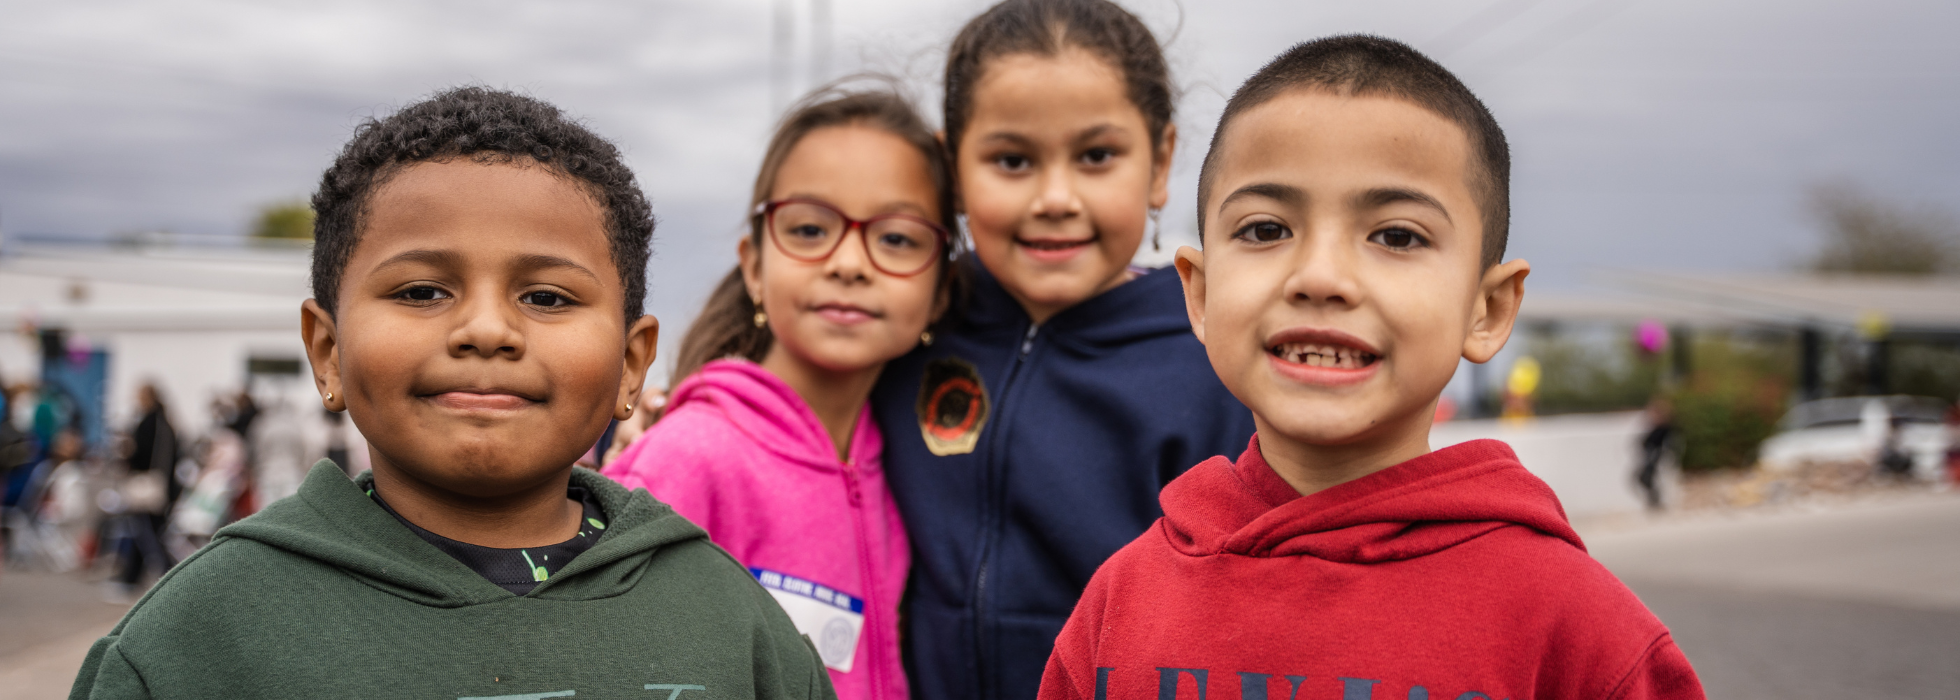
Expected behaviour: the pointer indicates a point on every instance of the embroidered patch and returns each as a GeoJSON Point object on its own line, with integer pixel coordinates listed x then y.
{"type": "Point", "coordinates": [952, 406]}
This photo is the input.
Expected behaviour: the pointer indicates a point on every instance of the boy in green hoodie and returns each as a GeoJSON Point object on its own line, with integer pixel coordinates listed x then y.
{"type": "Point", "coordinates": [478, 273]}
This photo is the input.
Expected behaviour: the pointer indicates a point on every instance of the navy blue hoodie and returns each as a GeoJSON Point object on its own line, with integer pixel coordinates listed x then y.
{"type": "Point", "coordinates": [1022, 456]}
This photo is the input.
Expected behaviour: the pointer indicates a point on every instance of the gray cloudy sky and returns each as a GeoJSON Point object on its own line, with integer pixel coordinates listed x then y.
{"type": "Point", "coordinates": [1651, 134]}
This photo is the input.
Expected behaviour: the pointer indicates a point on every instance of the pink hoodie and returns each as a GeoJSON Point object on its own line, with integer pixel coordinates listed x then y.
{"type": "Point", "coordinates": [741, 455]}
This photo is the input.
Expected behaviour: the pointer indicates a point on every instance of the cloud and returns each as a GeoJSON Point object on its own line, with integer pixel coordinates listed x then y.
{"type": "Point", "coordinates": [1646, 134]}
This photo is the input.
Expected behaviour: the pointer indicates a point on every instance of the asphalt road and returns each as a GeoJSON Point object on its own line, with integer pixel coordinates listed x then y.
{"type": "Point", "coordinates": [1859, 600]}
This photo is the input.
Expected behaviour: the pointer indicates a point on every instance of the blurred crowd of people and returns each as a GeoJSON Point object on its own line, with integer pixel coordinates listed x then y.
{"type": "Point", "coordinates": [129, 507]}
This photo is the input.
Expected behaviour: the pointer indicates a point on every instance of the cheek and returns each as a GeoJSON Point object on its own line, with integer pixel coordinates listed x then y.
{"type": "Point", "coordinates": [1428, 327]}
{"type": "Point", "coordinates": [994, 207]}
{"type": "Point", "coordinates": [366, 359]}
{"type": "Point", "coordinates": [784, 282]}
{"type": "Point", "coordinates": [909, 303]}
{"type": "Point", "coordinates": [1120, 209]}
{"type": "Point", "coordinates": [590, 362]}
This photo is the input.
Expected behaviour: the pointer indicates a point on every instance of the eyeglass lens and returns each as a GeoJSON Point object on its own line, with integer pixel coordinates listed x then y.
{"type": "Point", "coordinates": [897, 245]}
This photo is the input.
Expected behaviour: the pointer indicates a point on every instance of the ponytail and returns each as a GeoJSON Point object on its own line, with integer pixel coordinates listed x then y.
{"type": "Point", "coordinates": [725, 328]}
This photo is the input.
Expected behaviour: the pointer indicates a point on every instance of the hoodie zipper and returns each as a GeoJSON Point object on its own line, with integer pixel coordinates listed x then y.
{"type": "Point", "coordinates": [996, 502]}
{"type": "Point", "coordinates": [872, 642]}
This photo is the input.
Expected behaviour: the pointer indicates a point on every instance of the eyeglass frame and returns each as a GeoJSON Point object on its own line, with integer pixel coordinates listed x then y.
{"type": "Point", "coordinates": [767, 210]}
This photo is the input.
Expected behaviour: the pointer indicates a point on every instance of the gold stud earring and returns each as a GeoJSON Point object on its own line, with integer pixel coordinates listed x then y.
{"type": "Point", "coordinates": [925, 338]}
{"type": "Point", "coordinates": [329, 396]}
{"type": "Point", "coordinates": [628, 407]}
{"type": "Point", "coordinates": [761, 319]}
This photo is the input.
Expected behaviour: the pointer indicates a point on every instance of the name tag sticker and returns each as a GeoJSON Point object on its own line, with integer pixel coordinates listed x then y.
{"type": "Point", "coordinates": [831, 618]}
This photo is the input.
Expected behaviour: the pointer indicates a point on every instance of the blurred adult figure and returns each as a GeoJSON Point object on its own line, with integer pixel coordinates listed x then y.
{"type": "Point", "coordinates": [277, 445]}
{"type": "Point", "coordinates": [16, 450]}
{"type": "Point", "coordinates": [149, 489]}
{"type": "Point", "coordinates": [1653, 447]}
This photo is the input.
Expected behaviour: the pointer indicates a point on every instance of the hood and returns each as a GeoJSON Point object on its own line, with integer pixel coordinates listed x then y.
{"type": "Point", "coordinates": [1149, 306]}
{"type": "Point", "coordinates": [771, 414]}
{"type": "Point", "coordinates": [1416, 508]}
{"type": "Point", "coordinates": [332, 520]}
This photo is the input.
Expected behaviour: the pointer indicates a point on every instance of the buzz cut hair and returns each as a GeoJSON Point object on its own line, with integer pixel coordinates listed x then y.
{"type": "Point", "coordinates": [488, 126]}
{"type": "Point", "coordinates": [1360, 65]}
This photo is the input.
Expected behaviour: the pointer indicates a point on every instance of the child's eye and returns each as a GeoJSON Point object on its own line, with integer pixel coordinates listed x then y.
{"type": "Point", "coordinates": [1263, 232]}
{"type": "Point", "coordinates": [1013, 162]}
{"type": "Point", "coordinates": [810, 232]}
{"type": "Point", "coordinates": [898, 241]}
{"type": "Point", "coordinates": [422, 294]}
{"type": "Point", "coordinates": [545, 299]}
{"type": "Point", "coordinates": [1098, 156]}
{"type": "Point", "coordinates": [1398, 239]}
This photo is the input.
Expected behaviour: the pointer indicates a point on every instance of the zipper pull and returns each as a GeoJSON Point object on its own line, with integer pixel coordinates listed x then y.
{"type": "Point", "coordinates": [851, 485]}
{"type": "Point", "coordinates": [1027, 342]}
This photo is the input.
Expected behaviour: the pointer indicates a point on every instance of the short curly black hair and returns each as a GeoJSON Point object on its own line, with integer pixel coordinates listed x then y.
{"type": "Point", "coordinates": [488, 126]}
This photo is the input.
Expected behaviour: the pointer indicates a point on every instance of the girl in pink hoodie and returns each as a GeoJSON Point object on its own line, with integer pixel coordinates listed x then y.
{"type": "Point", "coordinates": [768, 441]}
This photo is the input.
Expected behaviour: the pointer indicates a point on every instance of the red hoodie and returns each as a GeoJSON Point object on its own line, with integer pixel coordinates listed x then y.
{"type": "Point", "coordinates": [1451, 575]}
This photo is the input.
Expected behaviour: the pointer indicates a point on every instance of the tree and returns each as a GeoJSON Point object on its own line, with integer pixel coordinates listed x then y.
{"type": "Point", "coordinates": [289, 221]}
{"type": "Point", "coordinates": [1864, 233]}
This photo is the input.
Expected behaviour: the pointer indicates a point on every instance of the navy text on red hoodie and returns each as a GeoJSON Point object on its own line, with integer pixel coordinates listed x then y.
{"type": "Point", "coordinates": [1022, 456]}
{"type": "Point", "coordinates": [1452, 575]}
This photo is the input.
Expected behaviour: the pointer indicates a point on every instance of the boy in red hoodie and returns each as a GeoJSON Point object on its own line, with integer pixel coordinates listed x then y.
{"type": "Point", "coordinates": [1354, 208]}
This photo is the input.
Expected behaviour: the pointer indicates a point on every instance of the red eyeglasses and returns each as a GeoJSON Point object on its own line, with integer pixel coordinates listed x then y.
{"type": "Point", "coordinates": [901, 245]}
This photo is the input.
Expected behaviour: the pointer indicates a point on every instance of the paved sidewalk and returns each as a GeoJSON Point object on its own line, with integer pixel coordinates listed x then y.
{"type": "Point", "coordinates": [49, 621]}
{"type": "Point", "coordinates": [1848, 600]}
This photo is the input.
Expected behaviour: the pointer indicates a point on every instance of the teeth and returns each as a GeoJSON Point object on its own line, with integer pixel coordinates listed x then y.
{"type": "Point", "coordinates": [1317, 355]}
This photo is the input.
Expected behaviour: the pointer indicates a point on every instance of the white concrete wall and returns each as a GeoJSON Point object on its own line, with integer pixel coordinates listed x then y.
{"type": "Point", "coordinates": [195, 367]}
{"type": "Point", "coordinates": [1588, 459]}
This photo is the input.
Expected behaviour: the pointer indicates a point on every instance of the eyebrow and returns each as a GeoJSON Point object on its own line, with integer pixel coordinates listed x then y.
{"type": "Point", "coordinates": [537, 261]}
{"type": "Point", "coordinates": [451, 259]}
{"type": "Point", "coordinates": [1384, 196]}
{"type": "Point", "coordinates": [892, 207]}
{"type": "Point", "coordinates": [1088, 134]}
{"type": "Point", "coordinates": [1097, 131]}
{"type": "Point", "coordinates": [1284, 194]}
{"type": "Point", "coordinates": [432, 258]}
{"type": "Point", "coordinates": [1009, 137]}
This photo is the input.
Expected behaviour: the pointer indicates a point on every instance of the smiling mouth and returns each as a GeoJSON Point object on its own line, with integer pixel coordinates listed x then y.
{"type": "Point", "coordinates": [1322, 354]}
{"type": "Point", "coordinates": [845, 313]}
{"type": "Point", "coordinates": [1054, 246]}
{"type": "Point", "coordinates": [480, 401]}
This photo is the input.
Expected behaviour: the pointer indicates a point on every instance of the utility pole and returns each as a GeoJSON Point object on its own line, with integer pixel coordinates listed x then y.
{"type": "Point", "coordinates": [821, 29]}
{"type": "Point", "coordinates": [782, 55]}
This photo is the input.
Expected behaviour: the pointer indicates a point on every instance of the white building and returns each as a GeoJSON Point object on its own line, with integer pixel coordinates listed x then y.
{"type": "Point", "coordinates": [200, 318]}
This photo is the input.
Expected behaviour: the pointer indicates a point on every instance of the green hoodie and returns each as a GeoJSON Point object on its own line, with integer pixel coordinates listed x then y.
{"type": "Point", "coordinates": [325, 594]}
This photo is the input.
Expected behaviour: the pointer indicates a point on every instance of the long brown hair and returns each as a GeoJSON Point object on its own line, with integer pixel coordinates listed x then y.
{"type": "Point", "coordinates": [726, 326]}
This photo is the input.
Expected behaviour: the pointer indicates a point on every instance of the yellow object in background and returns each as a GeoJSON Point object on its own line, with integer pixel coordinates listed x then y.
{"type": "Point", "coordinates": [1873, 325]}
{"type": "Point", "coordinates": [1519, 388]}
{"type": "Point", "coordinates": [1525, 374]}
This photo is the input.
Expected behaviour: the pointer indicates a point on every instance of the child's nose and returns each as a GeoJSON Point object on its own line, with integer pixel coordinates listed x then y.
{"type": "Point", "coordinates": [849, 259]}
{"type": "Point", "coordinates": [1323, 272]}
{"type": "Point", "coordinates": [487, 329]}
{"type": "Point", "coordinates": [1057, 198]}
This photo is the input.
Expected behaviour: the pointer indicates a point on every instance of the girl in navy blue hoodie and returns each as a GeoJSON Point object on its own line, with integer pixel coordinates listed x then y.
{"type": "Point", "coordinates": [1028, 443]}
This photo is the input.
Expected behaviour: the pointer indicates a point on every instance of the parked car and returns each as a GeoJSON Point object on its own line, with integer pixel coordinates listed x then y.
{"type": "Point", "coordinates": [1859, 429]}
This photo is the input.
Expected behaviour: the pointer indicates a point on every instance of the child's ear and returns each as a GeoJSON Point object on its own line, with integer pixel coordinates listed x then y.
{"type": "Point", "coordinates": [642, 343]}
{"type": "Point", "coordinates": [322, 338]}
{"type": "Point", "coordinates": [1498, 296]}
{"type": "Point", "coordinates": [952, 172]}
{"type": "Point", "coordinates": [750, 260]}
{"type": "Point", "coordinates": [1191, 269]}
{"type": "Point", "coordinates": [1160, 168]}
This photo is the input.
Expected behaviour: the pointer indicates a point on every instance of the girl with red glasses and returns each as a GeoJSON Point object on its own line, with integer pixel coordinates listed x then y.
{"type": "Point", "coordinates": [768, 442]}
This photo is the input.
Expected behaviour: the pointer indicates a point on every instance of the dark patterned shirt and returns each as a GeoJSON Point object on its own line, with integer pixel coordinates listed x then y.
{"type": "Point", "coordinates": [518, 570]}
